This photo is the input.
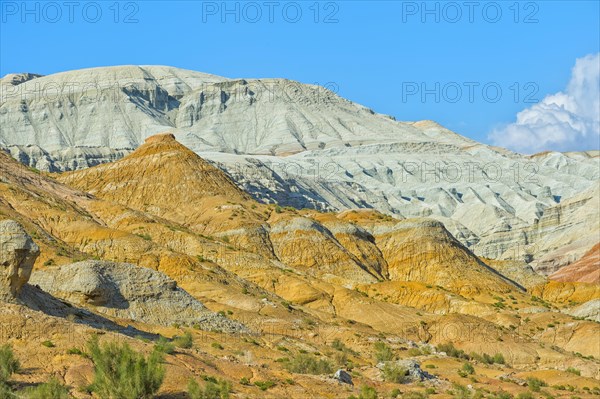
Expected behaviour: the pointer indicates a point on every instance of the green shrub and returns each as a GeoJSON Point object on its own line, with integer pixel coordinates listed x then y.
{"type": "Point", "coordinates": [48, 344]}
{"type": "Point", "coordinates": [217, 345]}
{"type": "Point", "coordinates": [500, 395]}
{"type": "Point", "coordinates": [525, 395]}
{"type": "Point", "coordinates": [366, 392]}
{"type": "Point", "coordinates": [244, 381]}
{"type": "Point", "coordinates": [185, 341]}
{"type": "Point", "coordinates": [460, 392]}
{"type": "Point", "coordinates": [75, 351]}
{"type": "Point", "coordinates": [264, 385]}
{"type": "Point", "coordinates": [8, 363]}
{"type": "Point", "coordinates": [535, 384]}
{"type": "Point", "coordinates": [499, 358]}
{"type": "Point", "coordinates": [211, 390]}
{"type": "Point", "coordinates": [5, 391]}
{"type": "Point", "coordinates": [48, 390]}
{"type": "Point", "coordinates": [467, 369]}
{"type": "Point", "coordinates": [163, 345]}
{"type": "Point", "coordinates": [573, 370]}
{"type": "Point", "coordinates": [308, 364]}
{"type": "Point", "coordinates": [120, 372]}
{"type": "Point", "coordinates": [383, 353]}
{"type": "Point", "coordinates": [338, 345]}
{"type": "Point", "coordinates": [451, 351]}
{"type": "Point", "coordinates": [394, 373]}
{"type": "Point", "coordinates": [414, 352]}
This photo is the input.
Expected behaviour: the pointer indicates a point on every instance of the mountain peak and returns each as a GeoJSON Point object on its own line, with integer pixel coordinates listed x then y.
{"type": "Point", "coordinates": [161, 138]}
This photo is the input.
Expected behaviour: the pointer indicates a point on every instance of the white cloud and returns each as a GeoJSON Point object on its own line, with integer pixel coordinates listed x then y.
{"type": "Point", "coordinates": [565, 121]}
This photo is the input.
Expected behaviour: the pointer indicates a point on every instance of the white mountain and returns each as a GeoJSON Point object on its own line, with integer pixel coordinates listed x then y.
{"type": "Point", "coordinates": [303, 146]}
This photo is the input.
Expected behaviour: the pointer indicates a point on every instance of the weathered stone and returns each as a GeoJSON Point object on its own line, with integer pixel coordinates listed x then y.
{"type": "Point", "coordinates": [18, 253]}
{"type": "Point", "coordinates": [343, 376]}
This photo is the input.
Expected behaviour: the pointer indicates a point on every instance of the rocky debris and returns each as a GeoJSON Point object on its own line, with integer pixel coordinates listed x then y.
{"type": "Point", "coordinates": [412, 367]}
{"type": "Point", "coordinates": [18, 253]}
{"type": "Point", "coordinates": [343, 376]}
{"type": "Point", "coordinates": [126, 291]}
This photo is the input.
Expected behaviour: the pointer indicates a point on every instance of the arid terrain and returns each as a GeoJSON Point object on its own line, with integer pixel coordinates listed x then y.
{"type": "Point", "coordinates": [424, 292]}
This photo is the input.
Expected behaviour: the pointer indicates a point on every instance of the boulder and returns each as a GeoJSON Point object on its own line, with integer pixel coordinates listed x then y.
{"type": "Point", "coordinates": [18, 253]}
{"type": "Point", "coordinates": [343, 376]}
{"type": "Point", "coordinates": [126, 291]}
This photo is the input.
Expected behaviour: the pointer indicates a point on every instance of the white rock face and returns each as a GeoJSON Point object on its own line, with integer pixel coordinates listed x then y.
{"type": "Point", "coordinates": [303, 146]}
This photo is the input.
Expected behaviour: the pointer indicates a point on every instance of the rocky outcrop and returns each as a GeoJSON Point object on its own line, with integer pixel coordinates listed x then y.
{"type": "Point", "coordinates": [18, 253]}
{"type": "Point", "coordinates": [585, 270]}
{"type": "Point", "coordinates": [127, 291]}
{"type": "Point", "coordinates": [303, 146]}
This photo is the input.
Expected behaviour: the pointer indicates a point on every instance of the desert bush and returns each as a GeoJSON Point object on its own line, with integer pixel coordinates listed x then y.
{"type": "Point", "coordinates": [308, 364]}
{"type": "Point", "coordinates": [185, 341]}
{"type": "Point", "coordinates": [525, 395]}
{"type": "Point", "coordinates": [163, 345]}
{"type": "Point", "coordinates": [52, 389]}
{"type": "Point", "coordinates": [573, 370]}
{"type": "Point", "coordinates": [394, 373]}
{"type": "Point", "coordinates": [120, 372]}
{"type": "Point", "coordinates": [460, 392]}
{"type": "Point", "coordinates": [5, 391]}
{"type": "Point", "coordinates": [500, 395]}
{"type": "Point", "coordinates": [451, 351]}
{"type": "Point", "coordinates": [415, 352]}
{"type": "Point", "coordinates": [383, 353]}
{"type": "Point", "coordinates": [467, 369]}
{"type": "Point", "coordinates": [211, 390]}
{"type": "Point", "coordinates": [535, 384]}
{"type": "Point", "coordinates": [264, 385]}
{"type": "Point", "coordinates": [8, 363]}
{"type": "Point", "coordinates": [366, 392]}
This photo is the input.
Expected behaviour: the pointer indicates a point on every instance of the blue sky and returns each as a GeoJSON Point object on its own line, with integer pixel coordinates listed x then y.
{"type": "Point", "coordinates": [380, 54]}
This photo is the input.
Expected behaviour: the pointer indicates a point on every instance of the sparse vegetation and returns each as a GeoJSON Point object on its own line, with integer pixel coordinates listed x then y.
{"type": "Point", "coordinates": [8, 363]}
{"type": "Point", "coordinates": [308, 364]}
{"type": "Point", "coordinates": [163, 345]}
{"type": "Point", "coordinates": [264, 385]}
{"type": "Point", "coordinates": [185, 341]}
{"type": "Point", "coordinates": [216, 389]}
{"type": "Point", "coordinates": [394, 373]}
{"type": "Point", "coordinates": [451, 351]}
{"type": "Point", "coordinates": [466, 370]}
{"type": "Point", "coordinates": [573, 370]}
{"type": "Point", "coordinates": [383, 353]}
{"type": "Point", "coordinates": [366, 392]}
{"type": "Point", "coordinates": [48, 344]}
{"type": "Point", "coordinates": [52, 389]}
{"type": "Point", "coordinates": [120, 372]}
{"type": "Point", "coordinates": [535, 384]}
